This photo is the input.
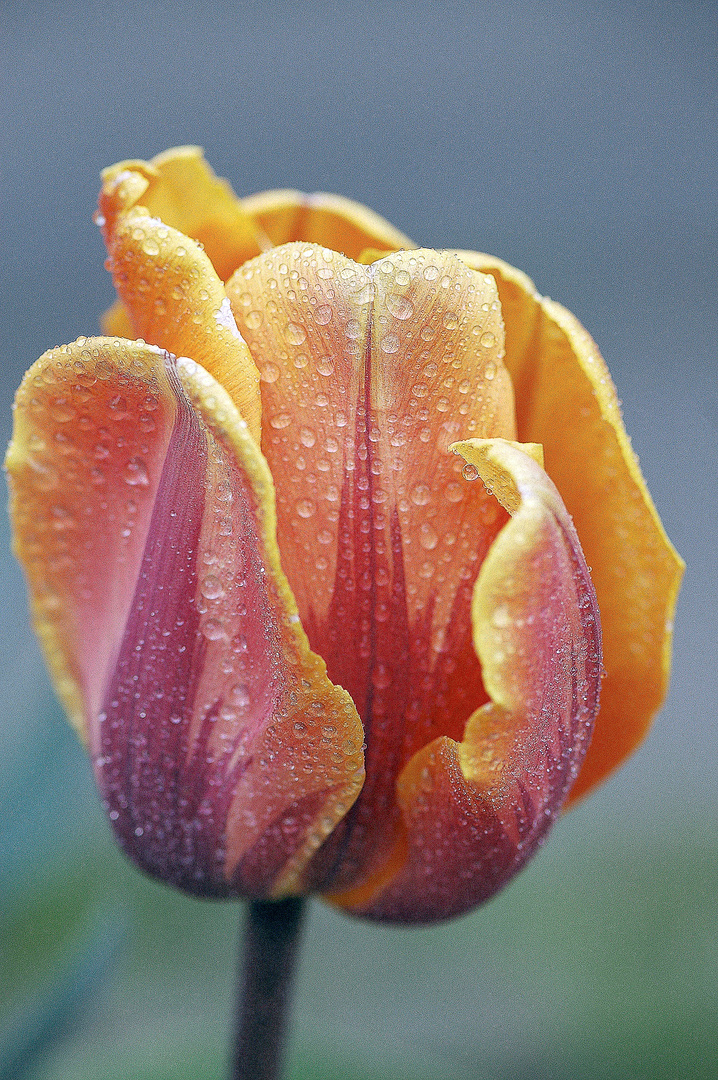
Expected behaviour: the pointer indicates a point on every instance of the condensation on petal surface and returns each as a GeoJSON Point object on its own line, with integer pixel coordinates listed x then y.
{"type": "Point", "coordinates": [223, 753]}
{"type": "Point", "coordinates": [566, 400]}
{"type": "Point", "coordinates": [171, 293]}
{"type": "Point", "coordinates": [368, 374]}
{"type": "Point", "coordinates": [473, 811]}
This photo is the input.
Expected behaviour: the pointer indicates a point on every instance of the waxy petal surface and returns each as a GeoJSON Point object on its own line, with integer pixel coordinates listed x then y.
{"type": "Point", "coordinates": [473, 811]}
{"type": "Point", "coordinates": [143, 516]}
{"type": "Point", "coordinates": [368, 375]}
{"type": "Point", "coordinates": [566, 400]}
{"type": "Point", "coordinates": [329, 220]}
{"type": "Point", "coordinates": [171, 291]}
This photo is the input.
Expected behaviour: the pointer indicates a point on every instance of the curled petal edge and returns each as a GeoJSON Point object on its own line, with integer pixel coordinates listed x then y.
{"type": "Point", "coordinates": [474, 812]}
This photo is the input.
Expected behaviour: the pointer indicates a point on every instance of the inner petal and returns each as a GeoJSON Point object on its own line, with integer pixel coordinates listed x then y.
{"type": "Point", "coordinates": [368, 375]}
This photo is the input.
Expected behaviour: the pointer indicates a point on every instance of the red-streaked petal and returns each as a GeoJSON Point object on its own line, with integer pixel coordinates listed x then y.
{"type": "Point", "coordinates": [368, 374]}
{"type": "Point", "coordinates": [473, 812]}
{"type": "Point", "coordinates": [223, 752]}
{"type": "Point", "coordinates": [171, 291]}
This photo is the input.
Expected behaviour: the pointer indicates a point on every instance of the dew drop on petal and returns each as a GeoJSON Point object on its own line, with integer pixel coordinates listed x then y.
{"type": "Point", "coordinates": [399, 306]}
{"type": "Point", "coordinates": [136, 474]}
{"type": "Point", "coordinates": [269, 372]}
{"type": "Point", "coordinates": [280, 420]}
{"type": "Point", "coordinates": [211, 587]}
{"type": "Point", "coordinates": [428, 536]}
{"type": "Point", "coordinates": [295, 333]}
{"type": "Point", "coordinates": [239, 695]}
{"type": "Point", "coordinates": [213, 630]}
{"type": "Point", "coordinates": [305, 508]}
{"type": "Point", "coordinates": [470, 472]}
{"type": "Point", "coordinates": [389, 343]}
{"type": "Point", "coordinates": [420, 495]}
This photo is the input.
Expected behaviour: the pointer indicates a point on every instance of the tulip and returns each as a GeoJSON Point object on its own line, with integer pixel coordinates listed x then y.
{"type": "Point", "coordinates": [303, 583]}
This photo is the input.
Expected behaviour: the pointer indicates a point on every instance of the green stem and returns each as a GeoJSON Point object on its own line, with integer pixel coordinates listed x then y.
{"type": "Point", "coordinates": [271, 938]}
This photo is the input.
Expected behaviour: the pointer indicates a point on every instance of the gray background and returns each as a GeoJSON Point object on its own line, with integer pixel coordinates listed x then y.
{"type": "Point", "coordinates": [576, 141]}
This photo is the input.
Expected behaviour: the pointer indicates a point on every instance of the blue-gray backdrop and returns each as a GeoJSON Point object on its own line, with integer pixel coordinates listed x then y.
{"type": "Point", "coordinates": [575, 140]}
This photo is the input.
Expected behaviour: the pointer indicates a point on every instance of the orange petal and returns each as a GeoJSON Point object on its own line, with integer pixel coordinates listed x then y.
{"type": "Point", "coordinates": [473, 812]}
{"type": "Point", "coordinates": [329, 220]}
{"type": "Point", "coordinates": [171, 291]}
{"type": "Point", "coordinates": [183, 191]}
{"type": "Point", "coordinates": [558, 373]}
{"type": "Point", "coordinates": [368, 374]}
{"type": "Point", "coordinates": [143, 518]}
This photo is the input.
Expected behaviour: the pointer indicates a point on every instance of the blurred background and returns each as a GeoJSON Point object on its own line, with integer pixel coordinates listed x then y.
{"type": "Point", "coordinates": [575, 140]}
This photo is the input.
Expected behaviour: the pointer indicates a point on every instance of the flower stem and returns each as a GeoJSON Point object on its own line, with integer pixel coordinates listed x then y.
{"type": "Point", "coordinates": [272, 932]}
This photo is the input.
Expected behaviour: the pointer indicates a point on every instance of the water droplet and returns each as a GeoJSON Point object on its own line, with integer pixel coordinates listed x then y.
{"type": "Point", "coordinates": [381, 676]}
{"type": "Point", "coordinates": [403, 277]}
{"type": "Point", "coordinates": [389, 343]}
{"type": "Point", "coordinates": [323, 314]}
{"type": "Point", "coordinates": [470, 472]}
{"type": "Point", "coordinates": [420, 495]}
{"type": "Point", "coordinates": [325, 365]}
{"type": "Point", "coordinates": [450, 320]}
{"type": "Point", "coordinates": [62, 410]}
{"type": "Point", "coordinates": [399, 306]}
{"type": "Point", "coordinates": [269, 372]}
{"type": "Point", "coordinates": [150, 246]}
{"type": "Point", "coordinates": [428, 536]}
{"type": "Point", "coordinates": [280, 420]}
{"type": "Point", "coordinates": [490, 370]}
{"type": "Point", "coordinates": [239, 695]}
{"type": "Point", "coordinates": [136, 474]}
{"type": "Point", "coordinates": [431, 272]}
{"type": "Point", "coordinates": [487, 339]}
{"type": "Point", "coordinates": [353, 329]}
{"type": "Point", "coordinates": [213, 630]}
{"type": "Point", "coordinates": [253, 320]}
{"type": "Point", "coordinates": [118, 404]}
{"type": "Point", "coordinates": [305, 508]}
{"type": "Point", "coordinates": [453, 492]}
{"type": "Point", "coordinates": [61, 518]}
{"type": "Point", "coordinates": [307, 437]}
{"type": "Point", "coordinates": [211, 587]}
{"type": "Point", "coordinates": [501, 617]}
{"type": "Point", "coordinates": [295, 333]}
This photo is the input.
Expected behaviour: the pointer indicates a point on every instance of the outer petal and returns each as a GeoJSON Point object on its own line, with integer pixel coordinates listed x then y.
{"type": "Point", "coordinates": [143, 515]}
{"type": "Point", "coordinates": [368, 375]}
{"type": "Point", "coordinates": [183, 191]}
{"type": "Point", "coordinates": [171, 291]}
{"type": "Point", "coordinates": [474, 812]}
{"type": "Point", "coordinates": [565, 399]}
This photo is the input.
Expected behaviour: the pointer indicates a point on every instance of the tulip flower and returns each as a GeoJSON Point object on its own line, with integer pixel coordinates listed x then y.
{"type": "Point", "coordinates": [306, 537]}
{"type": "Point", "coordinates": [303, 583]}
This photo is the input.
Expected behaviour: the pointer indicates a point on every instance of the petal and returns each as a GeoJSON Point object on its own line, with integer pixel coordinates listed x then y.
{"type": "Point", "coordinates": [223, 752]}
{"type": "Point", "coordinates": [368, 374]}
{"type": "Point", "coordinates": [329, 220]}
{"type": "Point", "coordinates": [171, 291]}
{"type": "Point", "coordinates": [558, 374]}
{"type": "Point", "coordinates": [473, 812]}
{"type": "Point", "coordinates": [183, 191]}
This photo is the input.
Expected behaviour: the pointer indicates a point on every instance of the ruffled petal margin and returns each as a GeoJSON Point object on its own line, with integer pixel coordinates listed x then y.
{"type": "Point", "coordinates": [566, 400]}
{"type": "Point", "coordinates": [143, 515]}
{"type": "Point", "coordinates": [474, 812]}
